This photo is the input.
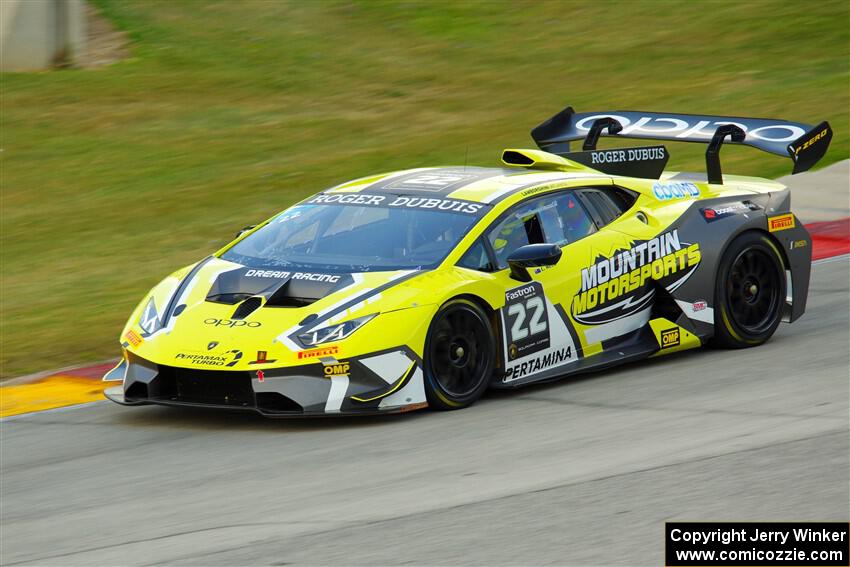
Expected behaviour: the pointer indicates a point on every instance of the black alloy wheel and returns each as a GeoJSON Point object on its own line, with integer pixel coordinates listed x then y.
{"type": "Point", "coordinates": [750, 292]}
{"type": "Point", "coordinates": [459, 355]}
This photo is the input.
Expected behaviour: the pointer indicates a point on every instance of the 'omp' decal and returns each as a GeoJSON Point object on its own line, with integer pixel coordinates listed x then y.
{"type": "Point", "coordinates": [614, 287]}
{"type": "Point", "coordinates": [669, 338]}
{"type": "Point", "coordinates": [336, 369]}
{"type": "Point", "coordinates": [536, 338]}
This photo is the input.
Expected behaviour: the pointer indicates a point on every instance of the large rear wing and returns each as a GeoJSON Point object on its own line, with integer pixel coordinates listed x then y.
{"type": "Point", "coordinates": [804, 144]}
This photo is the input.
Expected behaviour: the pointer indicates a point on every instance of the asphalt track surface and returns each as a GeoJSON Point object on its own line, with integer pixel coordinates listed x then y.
{"type": "Point", "coordinates": [582, 471]}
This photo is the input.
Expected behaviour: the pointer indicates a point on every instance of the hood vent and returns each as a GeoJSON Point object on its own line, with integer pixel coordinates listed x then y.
{"type": "Point", "coordinates": [299, 293]}
{"type": "Point", "coordinates": [272, 288]}
{"type": "Point", "coordinates": [247, 307]}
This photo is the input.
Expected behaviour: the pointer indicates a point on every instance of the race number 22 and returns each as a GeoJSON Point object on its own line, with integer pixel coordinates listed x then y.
{"type": "Point", "coordinates": [526, 320]}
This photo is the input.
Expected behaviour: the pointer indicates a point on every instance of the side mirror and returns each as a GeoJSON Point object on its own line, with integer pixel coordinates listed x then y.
{"type": "Point", "coordinates": [532, 256]}
{"type": "Point", "coordinates": [245, 229]}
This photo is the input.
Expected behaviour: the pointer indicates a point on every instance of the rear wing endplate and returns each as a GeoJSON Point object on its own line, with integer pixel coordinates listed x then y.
{"type": "Point", "coordinates": [804, 144]}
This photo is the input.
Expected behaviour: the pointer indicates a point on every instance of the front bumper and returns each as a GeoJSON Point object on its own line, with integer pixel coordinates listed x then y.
{"type": "Point", "coordinates": [385, 382]}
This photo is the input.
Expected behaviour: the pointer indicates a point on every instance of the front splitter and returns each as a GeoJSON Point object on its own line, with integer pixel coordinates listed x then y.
{"type": "Point", "coordinates": [116, 394]}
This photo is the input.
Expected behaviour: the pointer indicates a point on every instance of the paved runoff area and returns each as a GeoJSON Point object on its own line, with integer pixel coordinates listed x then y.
{"type": "Point", "coordinates": [581, 471]}
{"type": "Point", "coordinates": [821, 196]}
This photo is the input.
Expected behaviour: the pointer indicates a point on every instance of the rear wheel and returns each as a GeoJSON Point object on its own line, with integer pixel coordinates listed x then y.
{"type": "Point", "coordinates": [459, 355]}
{"type": "Point", "coordinates": [749, 293]}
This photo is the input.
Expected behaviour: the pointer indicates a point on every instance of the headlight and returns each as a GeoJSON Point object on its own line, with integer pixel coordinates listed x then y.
{"type": "Point", "coordinates": [149, 321]}
{"type": "Point", "coordinates": [335, 332]}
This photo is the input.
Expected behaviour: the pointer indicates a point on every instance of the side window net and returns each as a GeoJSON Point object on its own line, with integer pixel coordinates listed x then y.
{"type": "Point", "coordinates": [608, 203]}
{"type": "Point", "coordinates": [557, 219]}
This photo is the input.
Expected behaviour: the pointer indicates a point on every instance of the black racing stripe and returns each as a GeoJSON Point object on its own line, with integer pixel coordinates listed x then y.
{"type": "Point", "coordinates": [354, 301]}
{"type": "Point", "coordinates": [172, 303]}
{"type": "Point", "coordinates": [408, 352]}
{"type": "Point", "coordinates": [576, 342]}
{"type": "Point", "coordinates": [538, 183]}
{"type": "Point", "coordinates": [365, 374]}
{"type": "Point", "coordinates": [435, 182]}
{"type": "Point", "coordinates": [386, 389]}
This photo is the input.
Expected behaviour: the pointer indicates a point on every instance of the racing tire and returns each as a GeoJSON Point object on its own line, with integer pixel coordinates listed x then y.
{"type": "Point", "coordinates": [460, 350]}
{"type": "Point", "coordinates": [749, 292]}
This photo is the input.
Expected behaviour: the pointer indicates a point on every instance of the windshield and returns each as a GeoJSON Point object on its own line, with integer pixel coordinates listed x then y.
{"type": "Point", "coordinates": [363, 233]}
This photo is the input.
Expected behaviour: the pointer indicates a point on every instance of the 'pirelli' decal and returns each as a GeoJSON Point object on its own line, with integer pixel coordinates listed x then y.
{"type": "Point", "coordinates": [782, 222]}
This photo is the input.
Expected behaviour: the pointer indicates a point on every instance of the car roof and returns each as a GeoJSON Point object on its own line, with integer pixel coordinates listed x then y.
{"type": "Point", "coordinates": [487, 185]}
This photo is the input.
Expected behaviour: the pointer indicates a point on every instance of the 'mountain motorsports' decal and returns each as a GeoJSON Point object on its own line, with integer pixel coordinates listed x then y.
{"type": "Point", "coordinates": [627, 271]}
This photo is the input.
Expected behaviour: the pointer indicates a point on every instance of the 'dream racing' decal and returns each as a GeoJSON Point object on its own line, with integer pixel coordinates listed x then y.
{"type": "Point", "coordinates": [617, 286]}
{"type": "Point", "coordinates": [536, 337]}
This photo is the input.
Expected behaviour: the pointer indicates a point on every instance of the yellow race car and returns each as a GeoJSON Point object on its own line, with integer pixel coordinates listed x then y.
{"type": "Point", "coordinates": [425, 287]}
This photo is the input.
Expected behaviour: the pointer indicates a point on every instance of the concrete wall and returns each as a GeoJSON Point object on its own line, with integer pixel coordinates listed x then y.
{"type": "Point", "coordinates": [38, 34]}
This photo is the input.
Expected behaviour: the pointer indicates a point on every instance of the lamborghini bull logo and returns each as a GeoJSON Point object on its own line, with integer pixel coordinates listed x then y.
{"type": "Point", "coordinates": [615, 287]}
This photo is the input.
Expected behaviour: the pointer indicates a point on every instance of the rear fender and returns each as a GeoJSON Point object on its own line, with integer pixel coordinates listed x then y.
{"type": "Point", "coordinates": [696, 295]}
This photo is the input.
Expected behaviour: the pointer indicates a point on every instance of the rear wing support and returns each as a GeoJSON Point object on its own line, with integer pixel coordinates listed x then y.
{"type": "Point", "coordinates": [712, 153]}
{"type": "Point", "coordinates": [599, 125]}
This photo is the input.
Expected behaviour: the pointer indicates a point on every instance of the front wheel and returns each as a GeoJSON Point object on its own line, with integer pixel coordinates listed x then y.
{"type": "Point", "coordinates": [459, 355]}
{"type": "Point", "coordinates": [750, 292]}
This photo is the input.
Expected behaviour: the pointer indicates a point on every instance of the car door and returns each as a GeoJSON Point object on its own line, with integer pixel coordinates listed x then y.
{"type": "Point", "coordinates": [561, 315]}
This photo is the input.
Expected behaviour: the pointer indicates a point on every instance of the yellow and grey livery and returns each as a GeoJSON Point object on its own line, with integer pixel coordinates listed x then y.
{"type": "Point", "coordinates": [561, 267]}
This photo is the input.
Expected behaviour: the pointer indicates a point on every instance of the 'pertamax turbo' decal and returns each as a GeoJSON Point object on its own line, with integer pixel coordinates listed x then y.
{"type": "Point", "coordinates": [536, 338]}
{"type": "Point", "coordinates": [617, 286]}
{"type": "Point", "coordinates": [228, 358]}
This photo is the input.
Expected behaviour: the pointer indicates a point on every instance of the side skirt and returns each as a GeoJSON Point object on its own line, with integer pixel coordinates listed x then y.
{"type": "Point", "coordinates": [638, 345]}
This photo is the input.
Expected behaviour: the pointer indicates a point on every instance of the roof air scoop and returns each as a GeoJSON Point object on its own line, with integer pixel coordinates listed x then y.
{"type": "Point", "coordinates": [538, 159]}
